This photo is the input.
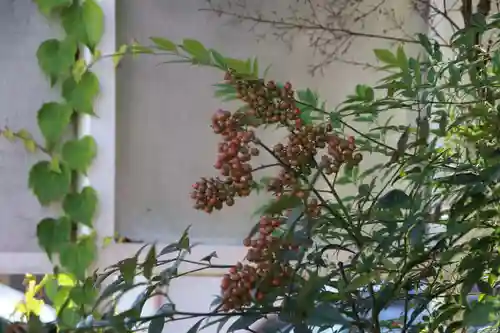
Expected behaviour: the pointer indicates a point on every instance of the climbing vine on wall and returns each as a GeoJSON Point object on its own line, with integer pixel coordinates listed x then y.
{"type": "Point", "coordinates": [54, 180]}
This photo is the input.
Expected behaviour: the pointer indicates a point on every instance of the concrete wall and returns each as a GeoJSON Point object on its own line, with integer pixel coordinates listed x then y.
{"type": "Point", "coordinates": [23, 89]}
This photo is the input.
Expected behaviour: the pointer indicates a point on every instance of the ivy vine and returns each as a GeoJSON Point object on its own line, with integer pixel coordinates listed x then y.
{"type": "Point", "coordinates": [54, 180]}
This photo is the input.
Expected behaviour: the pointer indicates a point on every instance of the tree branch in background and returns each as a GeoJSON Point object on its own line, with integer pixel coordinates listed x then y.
{"type": "Point", "coordinates": [331, 26]}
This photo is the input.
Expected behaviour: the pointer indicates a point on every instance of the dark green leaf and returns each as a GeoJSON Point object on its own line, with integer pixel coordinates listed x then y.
{"type": "Point", "coordinates": [82, 206]}
{"type": "Point", "coordinates": [53, 234]}
{"type": "Point", "coordinates": [79, 154]}
{"type": "Point", "coordinates": [243, 322]}
{"type": "Point", "coordinates": [77, 257]}
{"type": "Point", "coordinates": [149, 263]}
{"type": "Point", "coordinates": [81, 95]}
{"type": "Point", "coordinates": [394, 199]}
{"type": "Point", "coordinates": [48, 185]}
{"type": "Point", "coordinates": [53, 120]}
{"type": "Point", "coordinates": [127, 269]}
{"type": "Point", "coordinates": [55, 57]}
{"type": "Point", "coordinates": [481, 314]}
{"type": "Point", "coordinates": [283, 202]}
{"type": "Point", "coordinates": [156, 325]}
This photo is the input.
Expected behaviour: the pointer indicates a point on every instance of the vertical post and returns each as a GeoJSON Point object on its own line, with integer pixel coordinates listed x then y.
{"type": "Point", "coordinates": [102, 128]}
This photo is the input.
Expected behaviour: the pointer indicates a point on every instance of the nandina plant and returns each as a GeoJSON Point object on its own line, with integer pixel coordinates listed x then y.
{"type": "Point", "coordinates": [403, 251]}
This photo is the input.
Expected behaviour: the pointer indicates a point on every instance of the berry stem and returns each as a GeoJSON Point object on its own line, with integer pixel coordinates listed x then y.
{"type": "Point", "coordinates": [313, 189]}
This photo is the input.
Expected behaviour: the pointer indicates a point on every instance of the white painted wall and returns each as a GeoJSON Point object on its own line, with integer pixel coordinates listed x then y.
{"type": "Point", "coordinates": [23, 89]}
{"type": "Point", "coordinates": [164, 139]}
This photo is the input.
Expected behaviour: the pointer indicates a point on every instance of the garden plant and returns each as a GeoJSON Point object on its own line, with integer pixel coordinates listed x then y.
{"type": "Point", "coordinates": [419, 228]}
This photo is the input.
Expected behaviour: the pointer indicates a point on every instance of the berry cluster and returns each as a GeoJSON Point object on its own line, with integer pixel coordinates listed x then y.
{"type": "Point", "coordinates": [252, 282]}
{"type": "Point", "coordinates": [308, 148]}
{"type": "Point", "coordinates": [268, 102]}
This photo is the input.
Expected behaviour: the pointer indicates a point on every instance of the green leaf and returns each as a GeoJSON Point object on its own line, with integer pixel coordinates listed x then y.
{"type": "Point", "coordinates": [83, 294]}
{"type": "Point", "coordinates": [53, 234]}
{"type": "Point", "coordinates": [81, 95]}
{"type": "Point", "coordinates": [243, 322]}
{"type": "Point", "coordinates": [308, 97]}
{"type": "Point", "coordinates": [283, 202]}
{"type": "Point", "coordinates": [117, 57]}
{"type": "Point", "coordinates": [196, 327]}
{"type": "Point", "coordinates": [127, 268]}
{"type": "Point", "coordinates": [394, 199]}
{"type": "Point", "coordinates": [93, 19]}
{"type": "Point", "coordinates": [481, 314]}
{"type": "Point", "coordinates": [79, 154]}
{"type": "Point", "coordinates": [48, 185]}
{"type": "Point", "coordinates": [82, 206]}
{"type": "Point", "coordinates": [77, 257]}
{"type": "Point", "coordinates": [197, 50]}
{"type": "Point", "coordinates": [402, 59]}
{"type": "Point", "coordinates": [72, 22]}
{"type": "Point", "coordinates": [55, 57]}
{"type": "Point", "coordinates": [156, 325]}
{"type": "Point", "coordinates": [53, 119]}
{"type": "Point", "coordinates": [385, 56]}
{"type": "Point", "coordinates": [149, 263]}
{"type": "Point", "coordinates": [325, 314]}
{"type": "Point", "coordinates": [425, 42]}
{"type": "Point", "coordinates": [164, 44]}
{"type": "Point", "coordinates": [48, 6]}
{"type": "Point", "coordinates": [237, 65]}
{"type": "Point", "coordinates": [219, 59]}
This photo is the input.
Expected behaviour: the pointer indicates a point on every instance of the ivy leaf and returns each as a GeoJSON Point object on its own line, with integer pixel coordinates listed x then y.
{"type": "Point", "coordinates": [197, 50]}
{"type": "Point", "coordinates": [82, 206]}
{"type": "Point", "coordinates": [53, 234]}
{"type": "Point", "coordinates": [48, 6]}
{"type": "Point", "coordinates": [79, 154]}
{"type": "Point", "coordinates": [53, 119]}
{"type": "Point", "coordinates": [72, 22]}
{"type": "Point", "coordinates": [55, 57]}
{"type": "Point", "coordinates": [77, 257]}
{"type": "Point", "coordinates": [47, 184]}
{"type": "Point", "coordinates": [164, 44]}
{"type": "Point", "coordinates": [93, 19]}
{"type": "Point", "coordinates": [81, 95]}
